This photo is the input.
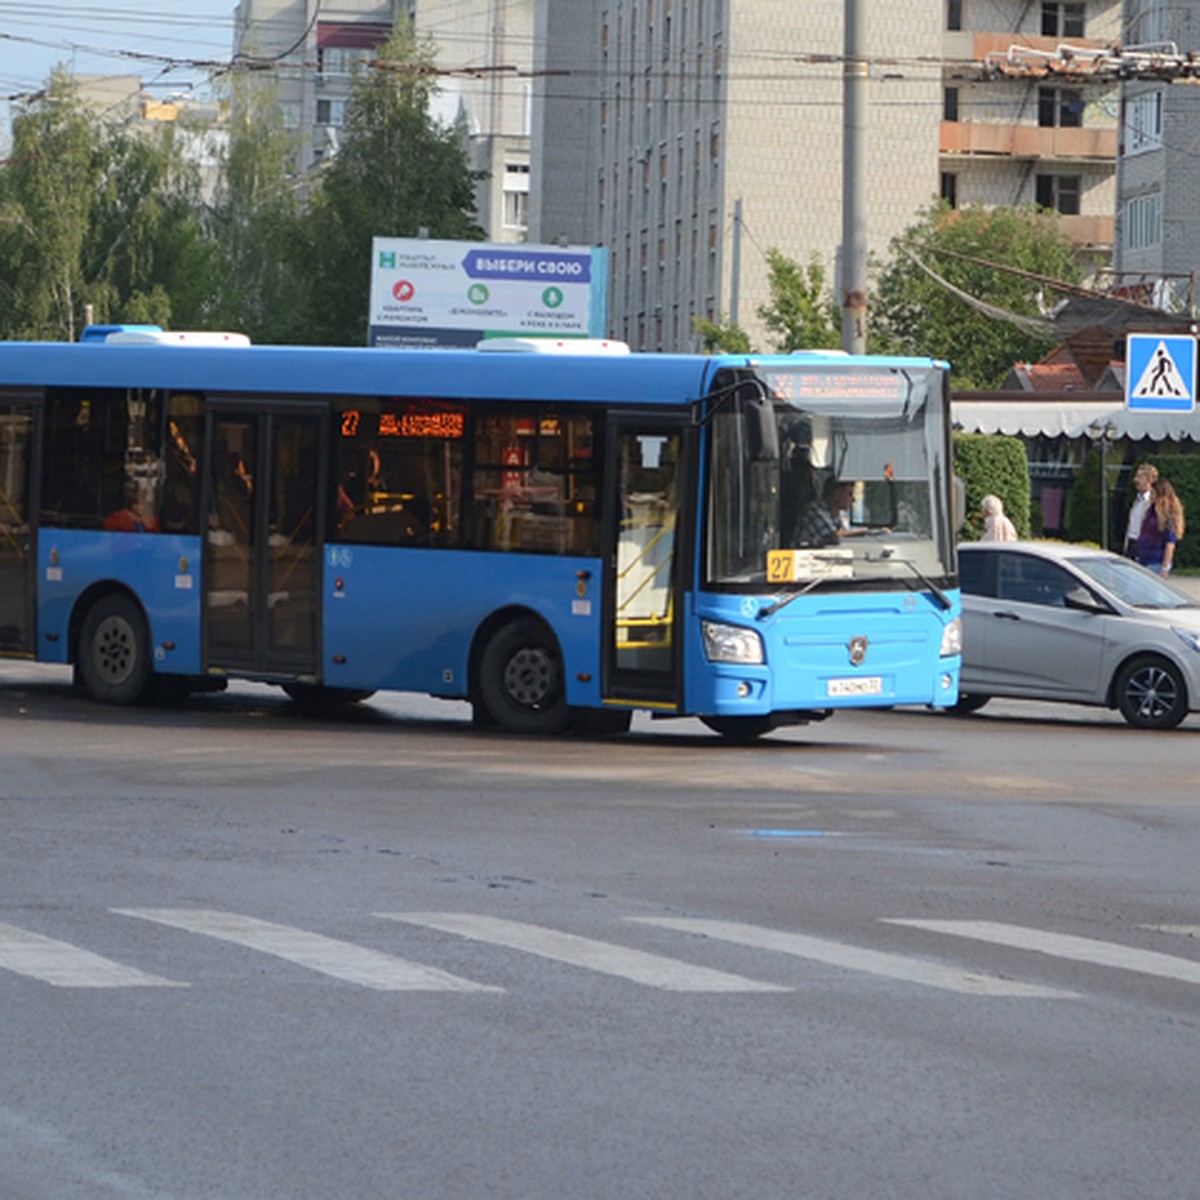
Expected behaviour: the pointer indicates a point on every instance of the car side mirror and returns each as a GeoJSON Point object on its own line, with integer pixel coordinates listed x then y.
{"type": "Point", "coordinates": [1081, 599]}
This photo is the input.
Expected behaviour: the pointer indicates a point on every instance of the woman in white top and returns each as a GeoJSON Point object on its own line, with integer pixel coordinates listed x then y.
{"type": "Point", "coordinates": [996, 526]}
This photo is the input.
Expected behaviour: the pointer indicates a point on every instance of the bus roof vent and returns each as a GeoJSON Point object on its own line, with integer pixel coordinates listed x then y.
{"type": "Point", "coordinates": [153, 335]}
{"type": "Point", "coordinates": [549, 345]}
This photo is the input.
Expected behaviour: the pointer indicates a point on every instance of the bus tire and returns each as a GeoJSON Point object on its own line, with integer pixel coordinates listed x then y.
{"type": "Point", "coordinates": [521, 680]}
{"type": "Point", "coordinates": [114, 650]}
{"type": "Point", "coordinates": [739, 729]}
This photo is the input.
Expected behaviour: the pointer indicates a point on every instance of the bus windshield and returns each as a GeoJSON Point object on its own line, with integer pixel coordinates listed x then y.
{"type": "Point", "coordinates": [856, 492]}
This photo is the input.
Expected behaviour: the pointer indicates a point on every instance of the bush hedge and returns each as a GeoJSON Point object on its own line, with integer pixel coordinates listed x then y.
{"type": "Point", "coordinates": [992, 463]}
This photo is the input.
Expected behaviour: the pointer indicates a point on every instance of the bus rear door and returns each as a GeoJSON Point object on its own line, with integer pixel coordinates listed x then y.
{"type": "Point", "coordinates": [18, 582]}
{"type": "Point", "coordinates": [642, 661]}
{"type": "Point", "coordinates": [262, 569]}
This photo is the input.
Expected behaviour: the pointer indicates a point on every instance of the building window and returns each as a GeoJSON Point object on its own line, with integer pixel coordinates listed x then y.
{"type": "Point", "coordinates": [950, 104]}
{"type": "Point", "coordinates": [331, 112]}
{"type": "Point", "coordinates": [1061, 107]}
{"type": "Point", "coordinates": [1059, 192]}
{"type": "Point", "coordinates": [516, 195]}
{"type": "Point", "coordinates": [950, 188]}
{"type": "Point", "coordinates": [1142, 225]}
{"type": "Point", "coordinates": [1148, 27]}
{"type": "Point", "coordinates": [1062, 19]}
{"type": "Point", "coordinates": [954, 15]}
{"type": "Point", "coordinates": [1143, 122]}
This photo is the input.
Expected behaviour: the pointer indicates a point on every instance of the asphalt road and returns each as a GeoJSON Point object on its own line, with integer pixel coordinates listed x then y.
{"type": "Point", "coordinates": [250, 955]}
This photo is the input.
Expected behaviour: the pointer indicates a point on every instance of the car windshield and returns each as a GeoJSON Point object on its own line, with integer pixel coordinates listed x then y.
{"type": "Point", "coordinates": [1133, 584]}
{"type": "Point", "coordinates": [857, 492]}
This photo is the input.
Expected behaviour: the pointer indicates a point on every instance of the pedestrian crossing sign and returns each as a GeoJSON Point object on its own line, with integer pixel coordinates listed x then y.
{"type": "Point", "coordinates": [1160, 372]}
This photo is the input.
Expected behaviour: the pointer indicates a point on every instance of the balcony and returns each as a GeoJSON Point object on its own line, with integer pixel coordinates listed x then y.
{"type": "Point", "coordinates": [983, 44]}
{"type": "Point", "coordinates": [1028, 141]}
{"type": "Point", "coordinates": [1095, 233]}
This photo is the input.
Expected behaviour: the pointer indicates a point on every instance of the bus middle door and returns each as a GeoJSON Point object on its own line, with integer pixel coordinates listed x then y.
{"type": "Point", "coordinates": [17, 511]}
{"type": "Point", "coordinates": [262, 602]}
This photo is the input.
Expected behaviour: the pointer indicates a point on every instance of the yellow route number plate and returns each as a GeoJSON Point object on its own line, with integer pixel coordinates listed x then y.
{"type": "Point", "coordinates": [791, 566]}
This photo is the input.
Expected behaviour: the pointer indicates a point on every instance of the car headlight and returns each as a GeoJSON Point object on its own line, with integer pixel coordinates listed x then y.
{"type": "Point", "coordinates": [952, 638]}
{"type": "Point", "coordinates": [1189, 637]}
{"type": "Point", "coordinates": [731, 643]}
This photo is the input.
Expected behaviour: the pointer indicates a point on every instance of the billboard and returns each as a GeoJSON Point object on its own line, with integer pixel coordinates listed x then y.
{"type": "Point", "coordinates": [432, 294]}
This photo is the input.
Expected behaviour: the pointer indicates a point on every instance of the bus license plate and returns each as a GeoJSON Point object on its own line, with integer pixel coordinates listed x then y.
{"type": "Point", "coordinates": [865, 685]}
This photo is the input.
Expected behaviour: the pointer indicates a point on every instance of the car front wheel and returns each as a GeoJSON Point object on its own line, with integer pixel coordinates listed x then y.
{"type": "Point", "coordinates": [1151, 693]}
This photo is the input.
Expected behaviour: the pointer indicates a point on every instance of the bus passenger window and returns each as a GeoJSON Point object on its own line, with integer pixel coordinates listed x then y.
{"type": "Point", "coordinates": [103, 464]}
{"type": "Point", "coordinates": [534, 484]}
{"type": "Point", "coordinates": [399, 473]}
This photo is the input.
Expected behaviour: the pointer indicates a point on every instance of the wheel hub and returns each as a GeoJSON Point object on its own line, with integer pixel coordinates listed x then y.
{"type": "Point", "coordinates": [530, 677]}
{"type": "Point", "coordinates": [114, 650]}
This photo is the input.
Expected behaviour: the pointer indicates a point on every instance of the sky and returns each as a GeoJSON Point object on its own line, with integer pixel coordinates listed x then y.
{"type": "Point", "coordinates": [157, 40]}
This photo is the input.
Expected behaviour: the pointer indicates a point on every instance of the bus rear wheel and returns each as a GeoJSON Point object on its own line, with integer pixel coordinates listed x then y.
{"type": "Point", "coordinates": [521, 680]}
{"type": "Point", "coordinates": [114, 651]}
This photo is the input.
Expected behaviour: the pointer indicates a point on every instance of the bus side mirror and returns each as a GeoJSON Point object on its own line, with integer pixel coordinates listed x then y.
{"type": "Point", "coordinates": [762, 433]}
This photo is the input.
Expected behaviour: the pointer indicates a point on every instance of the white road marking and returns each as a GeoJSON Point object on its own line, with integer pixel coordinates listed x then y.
{"type": "Point", "coordinates": [329, 956]}
{"type": "Point", "coordinates": [1183, 930]}
{"type": "Point", "coordinates": [1061, 945]}
{"type": "Point", "coordinates": [653, 970]}
{"type": "Point", "coordinates": [855, 958]}
{"type": "Point", "coordinates": [64, 965]}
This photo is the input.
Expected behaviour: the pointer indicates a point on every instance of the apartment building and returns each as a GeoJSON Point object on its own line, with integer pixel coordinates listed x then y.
{"type": "Point", "coordinates": [1158, 171]}
{"type": "Point", "coordinates": [670, 116]}
{"type": "Point", "coordinates": [1022, 134]}
{"type": "Point", "coordinates": [312, 47]}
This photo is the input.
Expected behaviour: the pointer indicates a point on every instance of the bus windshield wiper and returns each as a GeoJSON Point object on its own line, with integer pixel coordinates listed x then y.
{"type": "Point", "coordinates": [784, 601]}
{"type": "Point", "coordinates": [890, 556]}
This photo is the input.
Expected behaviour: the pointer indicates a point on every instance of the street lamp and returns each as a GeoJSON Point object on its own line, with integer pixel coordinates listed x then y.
{"type": "Point", "coordinates": [1101, 432]}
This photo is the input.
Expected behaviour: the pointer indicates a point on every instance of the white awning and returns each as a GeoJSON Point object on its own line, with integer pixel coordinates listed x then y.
{"type": "Point", "coordinates": [1071, 418]}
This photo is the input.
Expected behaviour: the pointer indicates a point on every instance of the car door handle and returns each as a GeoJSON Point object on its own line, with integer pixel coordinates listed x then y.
{"type": "Point", "coordinates": [1007, 615]}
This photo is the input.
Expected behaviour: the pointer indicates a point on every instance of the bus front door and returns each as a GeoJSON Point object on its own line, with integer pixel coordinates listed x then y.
{"type": "Point", "coordinates": [17, 569]}
{"type": "Point", "coordinates": [262, 577]}
{"type": "Point", "coordinates": [642, 609]}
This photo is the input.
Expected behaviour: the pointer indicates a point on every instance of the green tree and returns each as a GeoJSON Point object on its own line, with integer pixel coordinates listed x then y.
{"type": "Point", "coordinates": [146, 258]}
{"type": "Point", "coordinates": [90, 214]}
{"type": "Point", "coordinates": [915, 313]}
{"type": "Point", "coordinates": [397, 171]}
{"type": "Point", "coordinates": [259, 285]}
{"type": "Point", "coordinates": [802, 314]}
{"type": "Point", "coordinates": [722, 336]}
{"type": "Point", "coordinates": [45, 205]}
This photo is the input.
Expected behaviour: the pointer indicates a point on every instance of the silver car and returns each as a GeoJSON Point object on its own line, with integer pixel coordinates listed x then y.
{"type": "Point", "coordinates": [1050, 621]}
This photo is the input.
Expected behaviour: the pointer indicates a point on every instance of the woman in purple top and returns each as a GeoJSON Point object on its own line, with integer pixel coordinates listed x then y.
{"type": "Point", "coordinates": [1161, 529]}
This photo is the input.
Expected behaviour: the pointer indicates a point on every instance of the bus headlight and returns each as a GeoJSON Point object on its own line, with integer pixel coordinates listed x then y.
{"type": "Point", "coordinates": [731, 643]}
{"type": "Point", "coordinates": [952, 638]}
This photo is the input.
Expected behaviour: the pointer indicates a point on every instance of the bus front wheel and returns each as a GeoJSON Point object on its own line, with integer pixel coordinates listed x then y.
{"type": "Point", "coordinates": [114, 650]}
{"type": "Point", "coordinates": [521, 680]}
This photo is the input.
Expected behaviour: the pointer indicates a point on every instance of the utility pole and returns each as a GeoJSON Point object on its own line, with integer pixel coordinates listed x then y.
{"type": "Point", "coordinates": [735, 285]}
{"type": "Point", "coordinates": [854, 171]}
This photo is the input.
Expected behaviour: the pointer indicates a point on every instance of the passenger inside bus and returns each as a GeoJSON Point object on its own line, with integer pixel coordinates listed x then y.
{"type": "Point", "coordinates": [132, 517]}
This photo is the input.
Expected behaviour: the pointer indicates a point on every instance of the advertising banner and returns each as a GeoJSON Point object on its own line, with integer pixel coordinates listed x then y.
{"type": "Point", "coordinates": [432, 294]}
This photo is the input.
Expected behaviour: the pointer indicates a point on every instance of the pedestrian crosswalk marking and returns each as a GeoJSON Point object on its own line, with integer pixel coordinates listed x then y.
{"type": "Point", "coordinates": [63, 965]}
{"type": "Point", "coordinates": [855, 958]}
{"type": "Point", "coordinates": [1061, 945]}
{"type": "Point", "coordinates": [637, 965]}
{"type": "Point", "coordinates": [329, 956]}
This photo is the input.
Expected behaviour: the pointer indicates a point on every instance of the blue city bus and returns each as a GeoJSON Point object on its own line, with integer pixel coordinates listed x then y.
{"type": "Point", "coordinates": [560, 539]}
